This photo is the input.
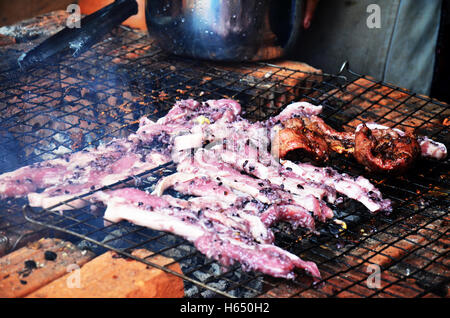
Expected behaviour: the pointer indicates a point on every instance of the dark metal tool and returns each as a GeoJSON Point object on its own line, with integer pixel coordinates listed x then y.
{"type": "Point", "coordinates": [92, 28]}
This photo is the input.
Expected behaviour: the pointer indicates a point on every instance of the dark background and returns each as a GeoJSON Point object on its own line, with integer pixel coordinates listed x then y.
{"type": "Point", "coordinates": [441, 81]}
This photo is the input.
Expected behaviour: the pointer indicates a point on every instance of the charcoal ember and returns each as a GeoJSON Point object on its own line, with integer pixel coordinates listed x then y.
{"type": "Point", "coordinates": [214, 277]}
{"type": "Point", "coordinates": [201, 269]}
{"type": "Point", "coordinates": [88, 246]}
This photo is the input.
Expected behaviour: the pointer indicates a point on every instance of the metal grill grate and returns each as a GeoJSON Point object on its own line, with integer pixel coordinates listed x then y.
{"type": "Point", "coordinates": [81, 102]}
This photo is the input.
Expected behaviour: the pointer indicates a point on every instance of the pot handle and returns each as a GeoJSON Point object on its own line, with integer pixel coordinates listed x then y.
{"type": "Point", "coordinates": [93, 28]}
{"type": "Point", "coordinates": [296, 18]}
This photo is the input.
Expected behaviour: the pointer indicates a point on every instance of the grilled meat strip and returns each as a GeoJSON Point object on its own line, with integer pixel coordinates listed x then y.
{"type": "Point", "coordinates": [197, 185]}
{"type": "Point", "coordinates": [213, 195]}
{"type": "Point", "coordinates": [208, 191]}
{"type": "Point", "coordinates": [78, 173]}
{"type": "Point", "coordinates": [204, 163]}
{"type": "Point", "coordinates": [207, 188]}
{"type": "Point", "coordinates": [266, 258]}
{"type": "Point", "coordinates": [357, 188]}
{"type": "Point", "coordinates": [183, 116]}
{"type": "Point", "coordinates": [210, 236]}
{"type": "Point", "coordinates": [305, 193]}
{"type": "Point", "coordinates": [222, 110]}
{"type": "Point", "coordinates": [293, 110]}
{"type": "Point", "coordinates": [117, 161]}
{"type": "Point", "coordinates": [93, 168]}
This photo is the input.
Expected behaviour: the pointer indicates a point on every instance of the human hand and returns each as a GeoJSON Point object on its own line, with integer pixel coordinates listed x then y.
{"type": "Point", "coordinates": [310, 8]}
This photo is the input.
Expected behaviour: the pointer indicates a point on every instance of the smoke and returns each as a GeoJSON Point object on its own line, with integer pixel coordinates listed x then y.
{"type": "Point", "coordinates": [11, 154]}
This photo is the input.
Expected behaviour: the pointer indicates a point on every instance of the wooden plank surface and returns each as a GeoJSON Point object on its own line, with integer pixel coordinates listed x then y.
{"type": "Point", "coordinates": [31, 267]}
{"type": "Point", "coordinates": [110, 276]}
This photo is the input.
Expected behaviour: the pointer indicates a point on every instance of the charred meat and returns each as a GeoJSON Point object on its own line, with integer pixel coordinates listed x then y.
{"type": "Point", "coordinates": [310, 136]}
{"type": "Point", "coordinates": [385, 150]}
{"type": "Point", "coordinates": [377, 147]}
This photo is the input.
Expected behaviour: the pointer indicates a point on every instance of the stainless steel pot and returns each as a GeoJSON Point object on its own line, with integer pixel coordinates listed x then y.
{"type": "Point", "coordinates": [233, 30]}
{"type": "Point", "coordinates": [228, 30]}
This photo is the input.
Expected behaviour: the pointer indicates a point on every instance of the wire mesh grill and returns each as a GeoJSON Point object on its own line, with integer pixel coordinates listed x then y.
{"type": "Point", "coordinates": [66, 106]}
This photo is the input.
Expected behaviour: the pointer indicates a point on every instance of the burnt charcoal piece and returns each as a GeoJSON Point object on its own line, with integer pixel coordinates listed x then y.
{"type": "Point", "coordinates": [50, 256]}
{"type": "Point", "coordinates": [30, 264]}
